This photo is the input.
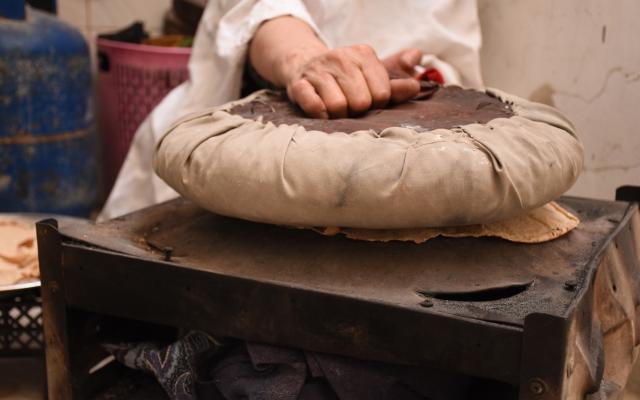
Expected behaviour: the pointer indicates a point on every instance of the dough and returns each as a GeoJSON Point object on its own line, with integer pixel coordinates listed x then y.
{"type": "Point", "coordinates": [539, 225]}
{"type": "Point", "coordinates": [18, 251]}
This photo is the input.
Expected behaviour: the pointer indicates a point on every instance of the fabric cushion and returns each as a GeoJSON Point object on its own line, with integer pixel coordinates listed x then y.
{"type": "Point", "coordinates": [436, 161]}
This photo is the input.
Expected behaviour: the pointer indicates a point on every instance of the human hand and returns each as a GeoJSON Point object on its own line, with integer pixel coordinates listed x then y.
{"type": "Point", "coordinates": [329, 83]}
{"type": "Point", "coordinates": [403, 62]}
{"type": "Point", "coordinates": [347, 80]}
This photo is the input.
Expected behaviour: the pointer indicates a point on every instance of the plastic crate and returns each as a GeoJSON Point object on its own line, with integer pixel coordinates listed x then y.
{"type": "Point", "coordinates": [21, 323]}
{"type": "Point", "coordinates": [132, 80]}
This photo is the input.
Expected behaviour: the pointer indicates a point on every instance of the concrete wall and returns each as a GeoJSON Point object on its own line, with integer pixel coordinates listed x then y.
{"type": "Point", "coordinates": [582, 56]}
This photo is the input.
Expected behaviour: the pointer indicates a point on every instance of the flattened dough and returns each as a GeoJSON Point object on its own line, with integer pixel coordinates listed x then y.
{"type": "Point", "coordinates": [18, 251]}
{"type": "Point", "coordinates": [539, 225]}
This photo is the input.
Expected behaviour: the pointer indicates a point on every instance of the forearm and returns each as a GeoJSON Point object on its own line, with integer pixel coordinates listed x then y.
{"type": "Point", "coordinates": [282, 45]}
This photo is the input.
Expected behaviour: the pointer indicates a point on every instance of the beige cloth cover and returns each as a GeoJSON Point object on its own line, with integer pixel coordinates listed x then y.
{"type": "Point", "coordinates": [394, 179]}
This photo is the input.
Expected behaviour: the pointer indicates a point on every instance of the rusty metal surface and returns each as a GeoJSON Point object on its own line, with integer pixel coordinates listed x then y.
{"type": "Point", "coordinates": [487, 279]}
{"type": "Point", "coordinates": [546, 317]}
{"type": "Point", "coordinates": [27, 138]}
{"type": "Point", "coordinates": [156, 291]}
{"type": "Point", "coordinates": [589, 352]}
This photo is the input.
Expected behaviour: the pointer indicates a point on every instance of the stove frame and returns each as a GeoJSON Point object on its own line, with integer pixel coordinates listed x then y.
{"type": "Point", "coordinates": [559, 320]}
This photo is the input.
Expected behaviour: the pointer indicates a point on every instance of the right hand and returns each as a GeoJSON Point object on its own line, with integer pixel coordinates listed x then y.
{"type": "Point", "coordinates": [343, 81]}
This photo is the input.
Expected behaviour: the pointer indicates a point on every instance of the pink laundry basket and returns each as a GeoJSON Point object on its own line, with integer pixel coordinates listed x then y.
{"type": "Point", "coordinates": [132, 80]}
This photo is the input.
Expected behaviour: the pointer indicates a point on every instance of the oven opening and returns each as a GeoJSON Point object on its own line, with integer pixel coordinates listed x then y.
{"type": "Point", "coordinates": [488, 294]}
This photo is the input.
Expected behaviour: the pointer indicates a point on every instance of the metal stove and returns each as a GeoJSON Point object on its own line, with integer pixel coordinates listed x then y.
{"type": "Point", "coordinates": [558, 320]}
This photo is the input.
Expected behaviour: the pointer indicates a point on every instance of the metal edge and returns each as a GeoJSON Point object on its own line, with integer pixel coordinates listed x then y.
{"type": "Point", "coordinates": [17, 287]}
{"type": "Point", "coordinates": [595, 261]}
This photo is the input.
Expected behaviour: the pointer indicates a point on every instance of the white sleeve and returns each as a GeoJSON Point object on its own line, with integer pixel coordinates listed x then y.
{"type": "Point", "coordinates": [215, 68]}
{"type": "Point", "coordinates": [220, 48]}
{"type": "Point", "coordinates": [237, 27]}
{"type": "Point", "coordinates": [459, 38]}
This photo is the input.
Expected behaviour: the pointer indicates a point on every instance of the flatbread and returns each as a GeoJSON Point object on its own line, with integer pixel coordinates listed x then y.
{"type": "Point", "coordinates": [538, 225]}
{"type": "Point", "coordinates": [18, 251]}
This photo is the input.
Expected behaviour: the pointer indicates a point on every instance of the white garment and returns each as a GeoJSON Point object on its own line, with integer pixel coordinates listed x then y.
{"type": "Point", "coordinates": [447, 29]}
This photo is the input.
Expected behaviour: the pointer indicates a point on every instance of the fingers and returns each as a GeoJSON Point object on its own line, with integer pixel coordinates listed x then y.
{"type": "Point", "coordinates": [409, 59]}
{"type": "Point", "coordinates": [403, 61]}
{"type": "Point", "coordinates": [331, 94]}
{"type": "Point", "coordinates": [355, 89]}
{"type": "Point", "coordinates": [404, 89]}
{"type": "Point", "coordinates": [377, 79]}
{"type": "Point", "coordinates": [304, 95]}
{"type": "Point", "coordinates": [372, 78]}
{"type": "Point", "coordinates": [348, 80]}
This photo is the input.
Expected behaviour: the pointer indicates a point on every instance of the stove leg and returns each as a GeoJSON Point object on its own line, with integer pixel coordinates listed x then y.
{"type": "Point", "coordinates": [54, 312]}
{"type": "Point", "coordinates": [543, 357]}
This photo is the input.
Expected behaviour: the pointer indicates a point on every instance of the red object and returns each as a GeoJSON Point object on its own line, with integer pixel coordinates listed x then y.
{"type": "Point", "coordinates": [431, 74]}
{"type": "Point", "coordinates": [133, 79]}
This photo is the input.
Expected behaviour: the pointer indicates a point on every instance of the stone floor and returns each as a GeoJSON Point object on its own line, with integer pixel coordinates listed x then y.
{"type": "Point", "coordinates": [22, 379]}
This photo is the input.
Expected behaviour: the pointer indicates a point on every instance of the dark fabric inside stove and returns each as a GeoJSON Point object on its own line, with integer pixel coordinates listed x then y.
{"type": "Point", "coordinates": [196, 367]}
{"type": "Point", "coordinates": [445, 107]}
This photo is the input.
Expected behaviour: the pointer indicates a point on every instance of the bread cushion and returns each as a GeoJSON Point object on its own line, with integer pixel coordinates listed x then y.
{"type": "Point", "coordinates": [454, 157]}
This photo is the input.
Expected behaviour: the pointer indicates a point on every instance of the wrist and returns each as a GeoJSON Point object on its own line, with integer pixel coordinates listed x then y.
{"type": "Point", "coordinates": [281, 46]}
{"type": "Point", "coordinates": [291, 62]}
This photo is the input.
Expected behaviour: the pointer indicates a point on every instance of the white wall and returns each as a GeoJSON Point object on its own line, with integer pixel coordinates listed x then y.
{"type": "Point", "coordinates": [98, 16]}
{"type": "Point", "coordinates": [583, 56]}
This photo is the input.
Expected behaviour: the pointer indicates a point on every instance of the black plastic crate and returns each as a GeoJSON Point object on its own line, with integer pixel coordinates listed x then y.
{"type": "Point", "coordinates": [21, 323]}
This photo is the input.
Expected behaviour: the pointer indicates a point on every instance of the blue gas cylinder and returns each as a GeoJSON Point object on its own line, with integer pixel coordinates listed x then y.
{"type": "Point", "coordinates": [47, 136]}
